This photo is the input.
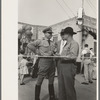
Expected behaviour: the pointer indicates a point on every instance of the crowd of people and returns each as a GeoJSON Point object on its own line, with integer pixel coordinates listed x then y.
{"type": "Point", "coordinates": [44, 54]}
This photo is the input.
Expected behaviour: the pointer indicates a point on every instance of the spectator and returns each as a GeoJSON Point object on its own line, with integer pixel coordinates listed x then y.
{"type": "Point", "coordinates": [23, 69]}
{"type": "Point", "coordinates": [86, 54]}
{"type": "Point", "coordinates": [20, 57]}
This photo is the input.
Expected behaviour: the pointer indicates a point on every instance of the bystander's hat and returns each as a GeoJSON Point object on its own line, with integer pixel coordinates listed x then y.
{"type": "Point", "coordinates": [62, 32]}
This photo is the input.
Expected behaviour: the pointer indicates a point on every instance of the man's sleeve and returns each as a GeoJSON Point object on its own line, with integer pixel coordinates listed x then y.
{"type": "Point", "coordinates": [55, 47]}
{"type": "Point", "coordinates": [92, 53]}
{"type": "Point", "coordinates": [33, 45]}
{"type": "Point", "coordinates": [56, 53]}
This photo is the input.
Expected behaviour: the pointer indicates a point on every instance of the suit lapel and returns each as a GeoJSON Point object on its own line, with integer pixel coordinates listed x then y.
{"type": "Point", "coordinates": [59, 43]}
{"type": "Point", "coordinates": [65, 44]}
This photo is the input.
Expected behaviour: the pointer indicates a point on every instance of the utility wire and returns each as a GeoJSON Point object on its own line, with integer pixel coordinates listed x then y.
{"type": "Point", "coordinates": [68, 8]}
{"type": "Point", "coordinates": [63, 9]}
{"type": "Point", "coordinates": [90, 6]}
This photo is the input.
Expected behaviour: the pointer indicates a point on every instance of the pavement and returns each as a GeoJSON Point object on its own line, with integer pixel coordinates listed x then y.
{"type": "Point", "coordinates": [84, 92]}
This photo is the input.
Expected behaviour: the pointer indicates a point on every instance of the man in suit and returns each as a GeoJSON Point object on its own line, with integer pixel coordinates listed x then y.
{"type": "Point", "coordinates": [46, 47]}
{"type": "Point", "coordinates": [67, 65]}
{"type": "Point", "coordinates": [60, 44]}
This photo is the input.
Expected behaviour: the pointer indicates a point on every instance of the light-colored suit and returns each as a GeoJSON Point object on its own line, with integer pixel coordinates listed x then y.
{"type": "Point", "coordinates": [67, 70]}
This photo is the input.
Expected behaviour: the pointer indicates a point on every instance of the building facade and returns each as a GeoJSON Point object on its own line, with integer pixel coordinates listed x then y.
{"type": "Point", "coordinates": [36, 30]}
{"type": "Point", "coordinates": [86, 33]}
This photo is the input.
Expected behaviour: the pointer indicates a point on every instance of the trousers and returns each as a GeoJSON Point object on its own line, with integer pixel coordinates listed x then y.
{"type": "Point", "coordinates": [46, 68]}
{"type": "Point", "coordinates": [66, 78]}
{"type": "Point", "coordinates": [88, 68]}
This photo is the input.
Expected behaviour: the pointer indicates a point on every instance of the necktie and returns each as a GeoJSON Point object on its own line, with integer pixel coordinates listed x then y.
{"type": "Point", "coordinates": [49, 42]}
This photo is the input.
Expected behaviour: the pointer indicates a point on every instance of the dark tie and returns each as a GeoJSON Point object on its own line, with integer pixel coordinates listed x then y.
{"type": "Point", "coordinates": [49, 42]}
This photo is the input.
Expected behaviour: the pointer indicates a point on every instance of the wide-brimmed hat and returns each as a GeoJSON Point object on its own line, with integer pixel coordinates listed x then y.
{"type": "Point", "coordinates": [68, 30]}
{"type": "Point", "coordinates": [48, 30]}
{"type": "Point", "coordinates": [62, 32]}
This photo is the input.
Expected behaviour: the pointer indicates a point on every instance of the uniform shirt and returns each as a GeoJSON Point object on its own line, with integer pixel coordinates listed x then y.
{"type": "Point", "coordinates": [71, 50]}
{"type": "Point", "coordinates": [86, 52]}
{"type": "Point", "coordinates": [44, 49]}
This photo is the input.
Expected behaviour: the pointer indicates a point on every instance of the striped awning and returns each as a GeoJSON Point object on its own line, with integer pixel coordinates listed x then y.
{"type": "Point", "coordinates": [91, 31]}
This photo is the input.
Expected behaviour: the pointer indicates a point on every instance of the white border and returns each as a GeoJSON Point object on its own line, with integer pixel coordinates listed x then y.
{"type": "Point", "coordinates": [9, 21]}
{"type": "Point", "coordinates": [9, 88]}
{"type": "Point", "coordinates": [97, 52]}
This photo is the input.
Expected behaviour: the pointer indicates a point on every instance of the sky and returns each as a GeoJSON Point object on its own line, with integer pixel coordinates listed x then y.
{"type": "Point", "coordinates": [49, 12]}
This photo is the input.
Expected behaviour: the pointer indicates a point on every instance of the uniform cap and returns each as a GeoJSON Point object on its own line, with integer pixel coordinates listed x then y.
{"type": "Point", "coordinates": [62, 32]}
{"type": "Point", "coordinates": [48, 30]}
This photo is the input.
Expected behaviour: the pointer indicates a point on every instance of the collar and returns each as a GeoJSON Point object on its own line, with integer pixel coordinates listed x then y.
{"type": "Point", "coordinates": [64, 43]}
{"type": "Point", "coordinates": [47, 39]}
{"type": "Point", "coordinates": [64, 40]}
{"type": "Point", "coordinates": [85, 48]}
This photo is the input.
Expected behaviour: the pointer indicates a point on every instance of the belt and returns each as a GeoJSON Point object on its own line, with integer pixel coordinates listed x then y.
{"type": "Point", "coordinates": [68, 61]}
{"type": "Point", "coordinates": [86, 58]}
{"type": "Point", "coordinates": [45, 58]}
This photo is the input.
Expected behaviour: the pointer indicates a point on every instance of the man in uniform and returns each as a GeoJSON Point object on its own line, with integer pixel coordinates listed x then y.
{"type": "Point", "coordinates": [67, 66]}
{"type": "Point", "coordinates": [46, 48]}
{"type": "Point", "coordinates": [86, 54]}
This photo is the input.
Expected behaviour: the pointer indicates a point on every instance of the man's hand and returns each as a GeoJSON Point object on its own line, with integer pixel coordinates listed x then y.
{"type": "Point", "coordinates": [36, 56]}
{"type": "Point", "coordinates": [57, 54]}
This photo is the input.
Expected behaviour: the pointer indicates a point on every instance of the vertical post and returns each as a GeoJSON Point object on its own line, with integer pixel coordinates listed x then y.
{"type": "Point", "coordinates": [82, 28]}
{"type": "Point", "coordinates": [82, 21]}
{"type": "Point", "coordinates": [37, 32]}
{"type": "Point", "coordinates": [82, 3]}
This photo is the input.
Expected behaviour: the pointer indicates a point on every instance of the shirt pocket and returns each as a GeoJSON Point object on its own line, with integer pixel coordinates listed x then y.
{"type": "Point", "coordinates": [45, 47]}
{"type": "Point", "coordinates": [66, 49]}
{"type": "Point", "coordinates": [44, 44]}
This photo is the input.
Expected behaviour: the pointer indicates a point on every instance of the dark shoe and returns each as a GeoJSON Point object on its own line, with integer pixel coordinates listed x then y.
{"type": "Point", "coordinates": [52, 98]}
{"type": "Point", "coordinates": [22, 83]}
{"type": "Point", "coordinates": [51, 92]}
{"type": "Point", "coordinates": [37, 92]}
{"type": "Point", "coordinates": [90, 81]}
{"type": "Point", "coordinates": [93, 78]}
{"type": "Point", "coordinates": [85, 83]}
